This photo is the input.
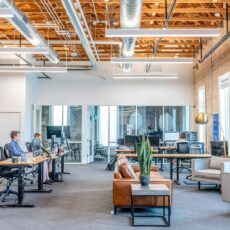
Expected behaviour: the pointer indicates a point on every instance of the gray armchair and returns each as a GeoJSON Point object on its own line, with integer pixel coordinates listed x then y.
{"type": "Point", "coordinates": [225, 182]}
{"type": "Point", "coordinates": [209, 170]}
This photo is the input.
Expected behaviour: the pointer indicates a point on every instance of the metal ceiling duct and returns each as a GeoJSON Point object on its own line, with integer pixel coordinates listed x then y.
{"type": "Point", "coordinates": [77, 24]}
{"type": "Point", "coordinates": [130, 18]}
{"type": "Point", "coordinates": [22, 24]}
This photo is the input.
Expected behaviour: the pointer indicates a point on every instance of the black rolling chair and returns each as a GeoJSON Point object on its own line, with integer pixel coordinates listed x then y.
{"type": "Point", "coordinates": [183, 147]}
{"type": "Point", "coordinates": [10, 174]}
{"type": "Point", "coordinates": [9, 155]}
{"type": "Point", "coordinates": [28, 146]}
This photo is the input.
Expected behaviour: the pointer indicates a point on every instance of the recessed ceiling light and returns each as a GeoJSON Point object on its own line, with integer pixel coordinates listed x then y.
{"type": "Point", "coordinates": [74, 54]}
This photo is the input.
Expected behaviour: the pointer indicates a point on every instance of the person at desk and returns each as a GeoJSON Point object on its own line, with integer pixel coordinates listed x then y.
{"type": "Point", "coordinates": [182, 138]}
{"type": "Point", "coordinates": [13, 146]}
{"type": "Point", "coordinates": [35, 146]}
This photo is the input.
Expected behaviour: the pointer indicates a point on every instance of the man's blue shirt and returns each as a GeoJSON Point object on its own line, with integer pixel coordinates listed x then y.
{"type": "Point", "coordinates": [15, 149]}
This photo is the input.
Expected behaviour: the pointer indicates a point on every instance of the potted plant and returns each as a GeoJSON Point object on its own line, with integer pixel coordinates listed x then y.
{"type": "Point", "coordinates": [144, 156]}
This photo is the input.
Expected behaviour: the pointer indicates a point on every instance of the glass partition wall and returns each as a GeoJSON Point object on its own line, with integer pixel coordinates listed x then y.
{"type": "Point", "coordinates": [64, 116]}
{"type": "Point", "coordinates": [115, 122]}
{"type": "Point", "coordinates": [101, 127]}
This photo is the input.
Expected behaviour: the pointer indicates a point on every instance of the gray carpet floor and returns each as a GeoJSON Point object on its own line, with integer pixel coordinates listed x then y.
{"type": "Point", "coordinates": [84, 201]}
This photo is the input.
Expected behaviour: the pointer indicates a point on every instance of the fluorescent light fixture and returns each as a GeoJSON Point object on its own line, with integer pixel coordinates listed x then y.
{"type": "Point", "coordinates": [121, 33]}
{"type": "Point", "coordinates": [152, 60]}
{"type": "Point", "coordinates": [6, 13]}
{"type": "Point", "coordinates": [32, 69]}
{"type": "Point", "coordinates": [160, 76]}
{"type": "Point", "coordinates": [24, 50]}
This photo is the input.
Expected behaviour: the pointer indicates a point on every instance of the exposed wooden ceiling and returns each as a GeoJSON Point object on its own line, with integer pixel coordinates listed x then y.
{"type": "Point", "coordinates": [102, 14]}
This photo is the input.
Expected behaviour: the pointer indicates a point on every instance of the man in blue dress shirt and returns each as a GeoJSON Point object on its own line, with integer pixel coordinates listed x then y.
{"type": "Point", "coordinates": [13, 146]}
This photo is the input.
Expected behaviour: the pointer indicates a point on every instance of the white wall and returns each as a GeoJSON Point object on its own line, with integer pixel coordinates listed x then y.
{"type": "Point", "coordinates": [12, 96]}
{"type": "Point", "coordinates": [84, 88]}
{"type": "Point", "coordinates": [31, 86]}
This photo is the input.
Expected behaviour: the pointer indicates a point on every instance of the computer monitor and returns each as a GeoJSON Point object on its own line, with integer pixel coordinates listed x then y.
{"type": "Point", "coordinates": [156, 133]}
{"type": "Point", "coordinates": [191, 136]}
{"type": "Point", "coordinates": [217, 148]}
{"type": "Point", "coordinates": [171, 136]}
{"type": "Point", "coordinates": [53, 131]}
{"type": "Point", "coordinates": [131, 140]}
{"type": "Point", "coordinates": [120, 141]}
{"type": "Point", "coordinates": [154, 141]}
{"type": "Point", "coordinates": [66, 131]}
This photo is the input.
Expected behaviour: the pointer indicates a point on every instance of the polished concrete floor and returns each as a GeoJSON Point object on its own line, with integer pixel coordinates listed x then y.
{"type": "Point", "coordinates": [84, 201]}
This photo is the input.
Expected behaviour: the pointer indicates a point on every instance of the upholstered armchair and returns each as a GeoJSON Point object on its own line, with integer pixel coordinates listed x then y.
{"type": "Point", "coordinates": [225, 182]}
{"type": "Point", "coordinates": [209, 170]}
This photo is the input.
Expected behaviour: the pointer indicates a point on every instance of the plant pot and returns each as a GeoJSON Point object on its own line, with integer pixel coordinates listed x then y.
{"type": "Point", "coordinates": [144, 180]}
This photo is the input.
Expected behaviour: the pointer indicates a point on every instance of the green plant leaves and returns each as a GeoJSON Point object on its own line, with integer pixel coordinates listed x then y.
{"type": "Point", "coordinates": [144, 156]}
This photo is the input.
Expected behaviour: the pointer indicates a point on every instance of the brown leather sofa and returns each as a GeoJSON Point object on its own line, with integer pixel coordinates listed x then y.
{"type": "Point", "coordinates": [122, 187]}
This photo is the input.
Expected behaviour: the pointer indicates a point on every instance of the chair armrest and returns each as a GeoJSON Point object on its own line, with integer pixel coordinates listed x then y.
{"type": "Point", "coordinates": [198, 164]}
{"type": "Point", "coordinates": [225, 167]}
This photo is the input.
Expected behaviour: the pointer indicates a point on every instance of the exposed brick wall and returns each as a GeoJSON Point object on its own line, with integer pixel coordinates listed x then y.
{"type": "Point", "coordinates": [207, 75]}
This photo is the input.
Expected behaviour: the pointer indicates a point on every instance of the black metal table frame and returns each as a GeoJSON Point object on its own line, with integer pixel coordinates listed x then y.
{"type": "Point", "coordinates": [21, 183]}
{"type": "Point", "coordinates": [166, 220]}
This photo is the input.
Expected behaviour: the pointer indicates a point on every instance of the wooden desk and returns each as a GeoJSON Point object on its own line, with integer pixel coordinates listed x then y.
{"type": "Point", "coordinates": [21, 165]}
{"type": "Point", "coordinates": [177, 157]}
{"type": "Point", "coordinates": [154, 149]}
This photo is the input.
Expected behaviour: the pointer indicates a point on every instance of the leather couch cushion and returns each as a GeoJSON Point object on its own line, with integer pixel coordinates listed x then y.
{"type": "Point", "coordinates": [117, 175]}
{"type": "Point", "coordinates": [215, 162]}
{"type": "Point", "coordinates": [208, 173]}
{"type": "Point", "coordinates": [125, 171]}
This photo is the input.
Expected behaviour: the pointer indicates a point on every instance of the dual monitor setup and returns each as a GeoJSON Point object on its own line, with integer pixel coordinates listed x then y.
{"type": "Point", "coordinates": [57, 134]}
{"type": "Point", "coordinates": [157, 137]}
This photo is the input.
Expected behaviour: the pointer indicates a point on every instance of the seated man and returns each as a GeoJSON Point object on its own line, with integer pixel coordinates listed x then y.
{"type": "Point", "coordinates": [13, 146]}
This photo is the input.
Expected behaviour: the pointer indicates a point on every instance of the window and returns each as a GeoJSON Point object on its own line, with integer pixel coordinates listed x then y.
{"type": "Point", "coordinates": [59, 115]}
{"type": "Point", "coordinates": [224, 104]}
{"type": "Point", "coordinates": [201, 108]}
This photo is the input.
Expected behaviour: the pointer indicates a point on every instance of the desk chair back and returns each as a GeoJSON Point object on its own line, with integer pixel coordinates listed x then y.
{"type": "Point", "coordinates": [2, 155]}
{"type": "Point", "coordinates": [29, 146]}
{"type": "Point", "coordinates": [182, 147]}
{"type": "Point", "coordinates": [7, 152]}
{"type": "Point", "coordinates": [196, 147]}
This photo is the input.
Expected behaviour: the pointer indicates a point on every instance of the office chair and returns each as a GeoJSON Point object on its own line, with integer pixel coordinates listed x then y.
{"type": "Point", "coordinates": [28, 146]}
{"type": "Point", "coordinates": [9, 155]}
{"type": "Point", "coordinates": [183, 147]}
{"type": "Point", "coordinates": [10, 174]}
{"type": "Point", "coordinates": [195, 147]}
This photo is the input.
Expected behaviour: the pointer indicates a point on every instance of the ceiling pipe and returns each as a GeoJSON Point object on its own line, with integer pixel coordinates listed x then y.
{"type": "Point", "coordinates": [130, 18]}
{"type": "Point", "coordinates": [167, 18]}
{"type": "Point", "coordinates": [215, 47]}
{"type": "Point", "coordinates": [77, 24]}
{"type": "Point", "coordinates": [24, 26]}
{"type": "Point", "coordinates": [219, 43]}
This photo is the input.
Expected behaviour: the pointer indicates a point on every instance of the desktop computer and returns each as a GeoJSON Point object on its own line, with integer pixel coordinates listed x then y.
{"type": "Point", "coordinates": [54, 131]}
{"type": "Point", "coordinates": [154, 141]}
{"type": "Point", "coordinates": [171, 136]}
{"type": "Point", "coordinates": [131, 140]}
{"type": "Point", "coordinates": [217, 148]}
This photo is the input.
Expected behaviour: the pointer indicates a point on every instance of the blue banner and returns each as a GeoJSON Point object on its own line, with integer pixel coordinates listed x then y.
{"type": "Point", "coordinates": [216, 127]}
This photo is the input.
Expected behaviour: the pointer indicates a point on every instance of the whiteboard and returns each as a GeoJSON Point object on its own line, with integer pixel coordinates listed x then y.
{"type": "Point", "coordinates": [8, 121]}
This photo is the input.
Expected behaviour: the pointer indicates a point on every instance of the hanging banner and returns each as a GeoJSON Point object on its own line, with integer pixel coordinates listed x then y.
{"type": "Point", "coordinates": [216, 127]}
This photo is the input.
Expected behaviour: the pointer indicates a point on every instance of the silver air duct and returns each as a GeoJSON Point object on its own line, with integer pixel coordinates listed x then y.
{"type": "Point", "coordinates": [23, 25]}
{"type": "Point", "coordinates": [130, 18]}
{"type": "Point", "coordinates": [76, 22]}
